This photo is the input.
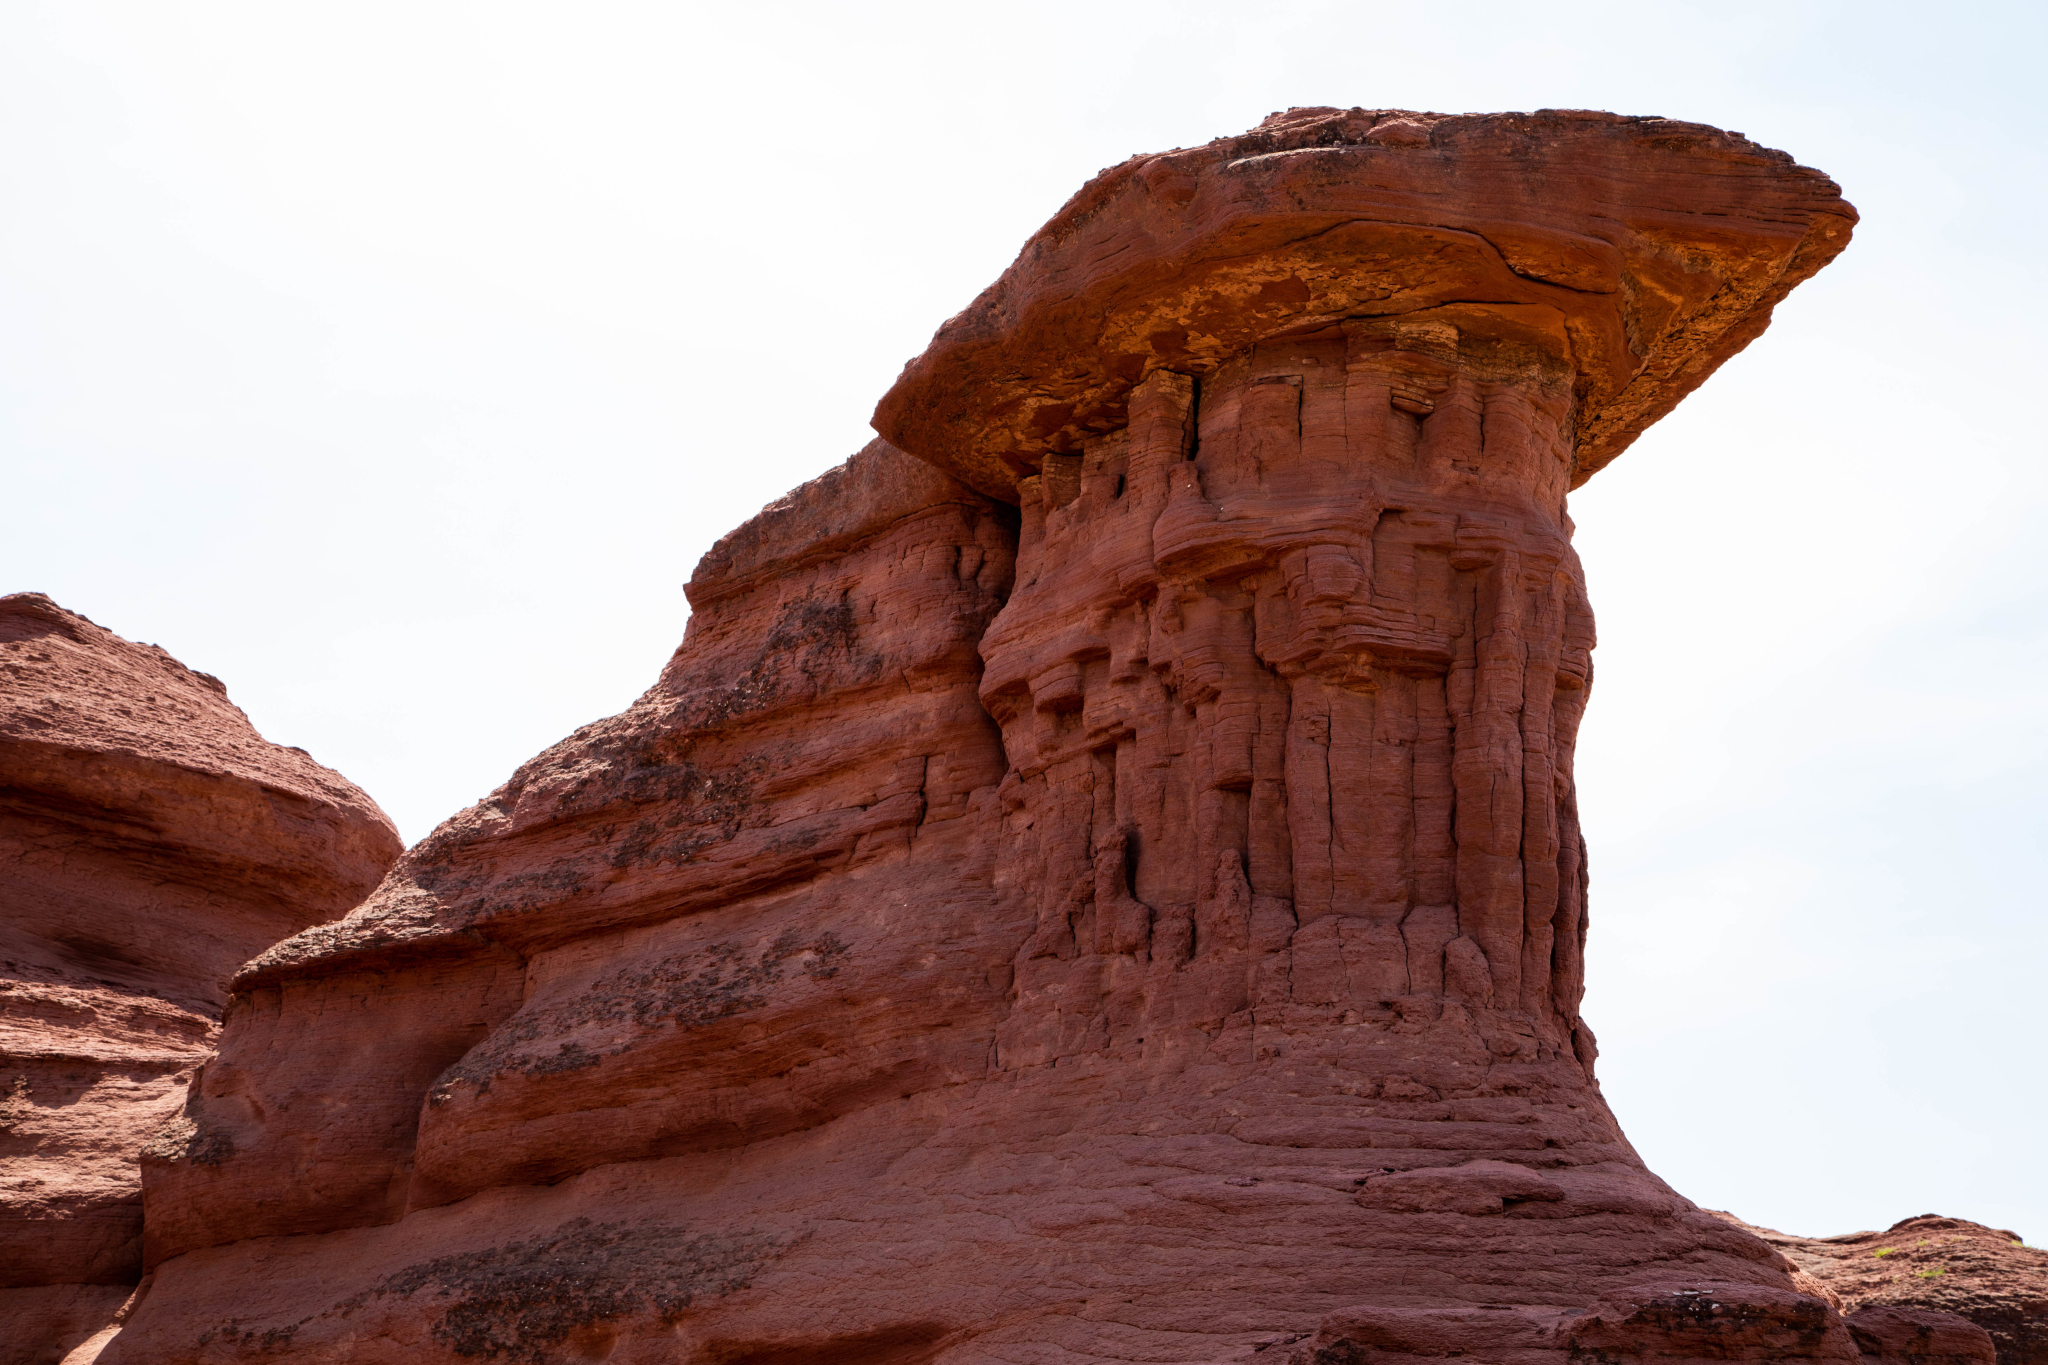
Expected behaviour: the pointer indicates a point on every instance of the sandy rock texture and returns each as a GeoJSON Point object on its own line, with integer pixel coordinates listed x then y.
{"type": "Point", "coordinates": [150, 842]}
{"type": "Point", "coordinates": [1100, 880]}
{"type": "Point", "coordinates": [1949, 1265]}
{"type": "Point", "coordinates": [1633, 254]}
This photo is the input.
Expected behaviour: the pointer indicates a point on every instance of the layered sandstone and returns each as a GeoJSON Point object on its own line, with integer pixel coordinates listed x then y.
{"type": "Point", "coordinates": [151, 841]}
{"type": "Point", "coordinates": [1930, 1263]}
{"type": "Point", "coordinates": [1630, 256]}
{"type": "Point", "coordinates": [1118, 898]}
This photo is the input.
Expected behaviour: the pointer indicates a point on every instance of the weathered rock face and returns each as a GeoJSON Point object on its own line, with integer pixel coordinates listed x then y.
{"type": "Point", "coordinates": [670, 932]}
{"type": "Point", "coordinates": [151, 842]}
{"type": "Point", "coordinates": [1141, 924]}
{"type": "Point", "coordinates": [1946, 1265]}
{"type": "Point", "coordinates": [757, 903]}
{"type": "Point", "coordinates": [1293, 718]}
{"type": "Point", "coordinates": [1634, 254]}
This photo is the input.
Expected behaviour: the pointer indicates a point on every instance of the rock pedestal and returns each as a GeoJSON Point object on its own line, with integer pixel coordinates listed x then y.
{"type": "Point", "coordinates": [1103, 885]}
{"type": "Point", "coordinates": [1289, 684]}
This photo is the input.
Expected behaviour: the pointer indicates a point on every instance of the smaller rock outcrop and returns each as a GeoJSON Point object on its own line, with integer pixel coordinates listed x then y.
{"type": "Point", "coordinates": [150, 842]}
{"type": "Point", "coordinates": [1889, 1281]}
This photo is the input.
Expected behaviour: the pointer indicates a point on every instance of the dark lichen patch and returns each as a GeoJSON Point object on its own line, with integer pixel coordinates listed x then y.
{"type": "Point", "coordinates": [688, 990]}
{"type": "Point", "coordinates": [689, 810]}
{"type": "Point", "coordinates": [514, 1302]}
{"type": "Point", "coordinates": [816, 632]}
{"type": "Point", "coordinates": [567, 1057]}
{"type": "Point", "coordinates": [815, 639]}
{"type": "Point", "coordinates": [724, 985]}
{"type": "Point", "coordinates": [231, 1333]}
{"type": "Point", "coordinates": [187, 1138]}
{"type": "Point", "coordinates": [628, 793]}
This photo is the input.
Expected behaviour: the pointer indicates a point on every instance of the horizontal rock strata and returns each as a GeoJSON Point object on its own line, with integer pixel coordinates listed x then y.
{"type": "Point", "coordinates": [1101, 879]}
{"type": "Point", "coordinates": [151, 842]}
{"type": "Point", "coordinates": [1635, 253]}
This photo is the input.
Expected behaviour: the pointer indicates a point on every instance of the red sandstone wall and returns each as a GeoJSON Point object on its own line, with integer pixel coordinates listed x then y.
{"type": "Point", "coordinates": [557, 978]}
{"type": "Point", "coordinates": [151, 842]}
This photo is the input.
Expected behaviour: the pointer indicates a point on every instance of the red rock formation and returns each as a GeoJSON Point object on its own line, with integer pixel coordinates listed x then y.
{"type": "Point", "coordinates": [1632, 256]}
{"type": "Point", "coordinates": [1168, 951]}
{"type": "Point", "coordinates": [1946, 1265]}
{"type": "Point", "coordinates": [152, 841]}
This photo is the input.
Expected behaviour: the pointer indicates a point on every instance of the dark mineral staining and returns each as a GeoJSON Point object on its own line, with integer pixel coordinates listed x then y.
{"type": "Point", "coordinates": [689, 990]}
{"type": "Point", "coordinates": [514, 1302]}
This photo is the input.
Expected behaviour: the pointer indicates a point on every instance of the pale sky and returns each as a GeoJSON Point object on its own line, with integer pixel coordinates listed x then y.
{"type": "Point", "coordinates": [396, 362]}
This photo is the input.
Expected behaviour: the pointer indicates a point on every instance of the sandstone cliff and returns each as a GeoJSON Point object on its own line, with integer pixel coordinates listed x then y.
{"type": "Point", "coordinates": [151, 842]}
{"type": "Point", "coordinates": [1104, 885]}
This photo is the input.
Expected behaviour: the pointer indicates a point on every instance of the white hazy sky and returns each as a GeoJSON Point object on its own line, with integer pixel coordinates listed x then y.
{"type": "Point", "coordinates": [396, 362]}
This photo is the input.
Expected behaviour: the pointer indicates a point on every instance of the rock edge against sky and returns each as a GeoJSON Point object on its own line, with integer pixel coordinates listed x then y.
{"type": "Point", "coordinates": [1100, 879]}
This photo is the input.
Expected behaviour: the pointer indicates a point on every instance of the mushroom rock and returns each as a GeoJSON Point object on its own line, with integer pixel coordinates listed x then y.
{"type": "Point", "coordinates": [1100, 879]}
{"type": "Point", "coordinates": [1610, 262]}
{"type": "Point", "coordinates": [152, 841]}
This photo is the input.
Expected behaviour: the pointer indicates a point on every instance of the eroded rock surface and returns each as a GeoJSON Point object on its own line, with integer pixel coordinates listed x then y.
{"type": "Point", "coordinates": [150, 843]}
{"type": "Point", "coordinates": [1120, 898]}
{"type": "Point", "coordinates": [1949, 1265]}
{"type": "Point", "coordinates": [1634, 254]}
